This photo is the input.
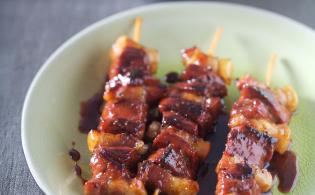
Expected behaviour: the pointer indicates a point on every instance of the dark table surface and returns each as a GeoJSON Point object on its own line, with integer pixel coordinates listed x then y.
{"type": "Point", "coordinates": [30, 30]}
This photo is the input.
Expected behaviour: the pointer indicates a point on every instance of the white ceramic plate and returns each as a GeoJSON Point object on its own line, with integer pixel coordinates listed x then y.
{"type": "Point", "coordinates": [51, 109]}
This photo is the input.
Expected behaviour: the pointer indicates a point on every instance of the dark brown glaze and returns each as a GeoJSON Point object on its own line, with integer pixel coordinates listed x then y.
{"type": "Point", "coordinates": [90, 112]}
{"type": "Point", "coordinates": [285, 166]}
{"type": "Point", "coordinates": [78, 172]}
{"type": "Point", "coordinates": [154, 115]}
{"type": "Point", "coordinates": [75, 156]}
{"type": "Point", "coordinates": [249, 150]}
{"type": "Point", "coordinates": [172, 77]}
{"type": "Point", "coordinates": [207, 178]}
{"type": "Point", "coordinates": [188, 114]}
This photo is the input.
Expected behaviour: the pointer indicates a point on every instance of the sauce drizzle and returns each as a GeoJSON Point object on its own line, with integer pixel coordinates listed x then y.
{"type": "Point", "coordinates": [207, 177]}
{"type": "Point", "coordinates": [90, 112]}
{"type": "Point", "coordinates": [75, 156]}
{"type": "Point", "coordinates": [285, 166]}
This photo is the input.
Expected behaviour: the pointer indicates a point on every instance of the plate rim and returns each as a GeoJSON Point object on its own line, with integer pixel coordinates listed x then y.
{"type": "Point", "coordinates": [154, 6]}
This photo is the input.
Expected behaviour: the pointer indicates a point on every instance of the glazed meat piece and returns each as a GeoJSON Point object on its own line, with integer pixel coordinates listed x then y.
{"type": "Point", "coordinates": [192, 145]}
{"type": "Point", "coordinates": [188, 114]}
{"type": "Point", "coordinates": [117, 91]}
{"type": "Point", "coordinates": [251, 109]}
{"type": "Point", "coordinates": [214, 87]}
{"type": "Point", "coordinates": [235, 177]}
{"type": "Point", "coordinates": [129, 56]}
{"type": "Point", "coordinates": [203, 81]}
{"type": "Point", "coordinates": [111, 178]}
{"type": "Point", "coordinates": [120, 148]}
{"type": "Point", "coordinates": [248, 143]}
{"type": "Point", "coordinates": [202, 113]}
{"type": "Point", "coordinates": [146, 89]}
{"type": "Point", "coordinates": [207, 68]}
{"type": "Point", "coordinates": [178, 121]}
{"type": "Point", "coordinates": [250, 89]}
{"type": "Point", "coordinates": [97, 138]}
{"type": "Point", "coordinates": [124, 116]}
{"type": "Point", "coordinates": [258, 127]}
{"type": "Point", "coordinates": [175, 160]}
{"type": "Point", "coordinates": [156, 177]}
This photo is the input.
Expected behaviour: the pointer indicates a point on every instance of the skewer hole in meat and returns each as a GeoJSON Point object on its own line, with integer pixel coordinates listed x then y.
{"type": "Point", "coordinates": [258, 130]}
{"type": "Point", "coordinates": [188, 112]}
{"type": "Point", "coordinates": [117, 145]}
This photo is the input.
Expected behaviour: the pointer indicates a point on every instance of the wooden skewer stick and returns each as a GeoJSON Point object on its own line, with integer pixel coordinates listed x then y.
{"type": "Point", "coordinates": [270, 67]}
{"type": "Point", "coordinates": [215, 40]}
{"type": "Point", "coordinates": [157, 191]}
{"type": "Point", "coordinates": [137, 29]}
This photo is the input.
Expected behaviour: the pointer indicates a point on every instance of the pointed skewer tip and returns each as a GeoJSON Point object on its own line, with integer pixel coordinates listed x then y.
{"type": "Point", "coordinates": [215, 40]}
{"type": "Point", "coordinates": [271, 63]}
{"type": "Point", "coordinates": [157, 191]}
{"type": "Point", "coordinates": [137, 29]}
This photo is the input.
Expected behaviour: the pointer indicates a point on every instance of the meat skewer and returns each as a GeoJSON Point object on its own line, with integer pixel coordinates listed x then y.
{"type": "Point", "coordinates": [189, 112]}
{"type": "Point", "coordinates": [258, 128]}
{"type": "Point", "coordinates": [117, 144]}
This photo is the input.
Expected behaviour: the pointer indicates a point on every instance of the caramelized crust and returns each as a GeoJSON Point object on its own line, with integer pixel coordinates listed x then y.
{"type": "Point", "coordinates": [202, 113]}
{"type": "Point", "coordinates": [174, 160]}
{"type": "Point", "coordinates": [248, 143]}
{"type": "Point", "coordinates": [193, 146]}
{"type": "Point", "coordinates": [124, 116]}
{"type": "Point", "coordinates": [160, 178]}
{"type": "Point", "coordinates": [178, 121]}
{"type": "Point", "coordinates": [250, 109]}
{"type": "Point", "coordinates": [250, 89]}
{"type": "Point", "coordinates": [111, 178]}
